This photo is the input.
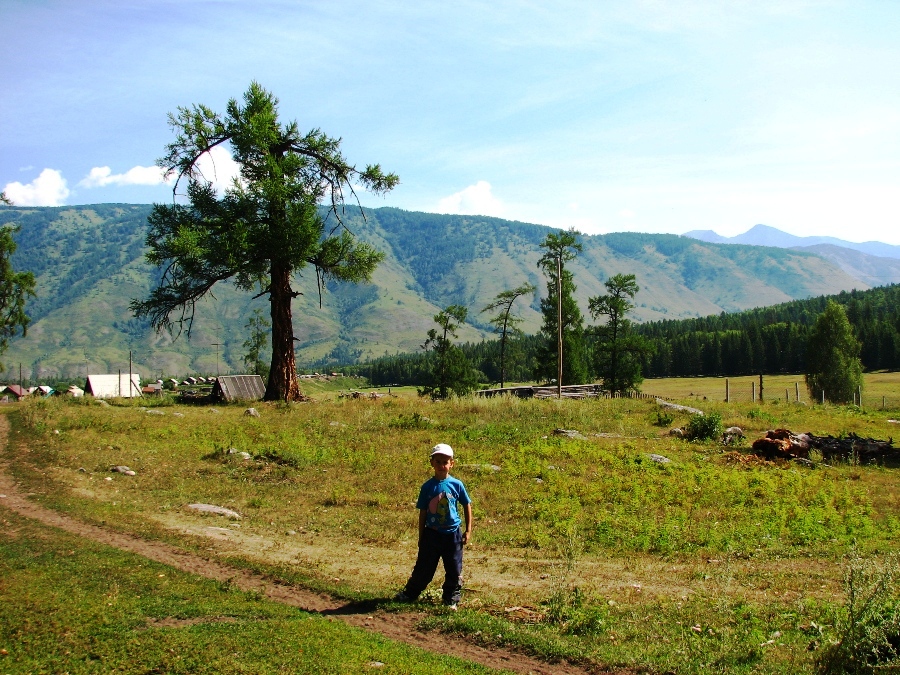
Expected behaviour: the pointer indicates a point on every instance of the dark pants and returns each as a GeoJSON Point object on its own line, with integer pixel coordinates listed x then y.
{"type": "Point", "coordinates": [434, 546]}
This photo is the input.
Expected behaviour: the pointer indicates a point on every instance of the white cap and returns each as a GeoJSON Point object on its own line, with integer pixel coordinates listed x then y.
{"type": "Point", "coordinates": [442, 449]}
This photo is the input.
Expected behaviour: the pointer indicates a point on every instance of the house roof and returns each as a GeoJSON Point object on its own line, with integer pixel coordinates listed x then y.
{"type": "Point", "coordinates": [16, 390]}
{"type": "Point", "coordinates": [238, 387]}
{"type": "Point", "coordinates": [112, 386]}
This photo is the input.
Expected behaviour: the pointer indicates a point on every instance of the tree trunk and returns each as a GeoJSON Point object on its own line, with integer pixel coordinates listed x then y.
{"type": "Point", "coordinates": [282, 384]}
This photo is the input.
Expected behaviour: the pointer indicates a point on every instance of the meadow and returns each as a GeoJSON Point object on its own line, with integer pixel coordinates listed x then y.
{"type": "Point", "coordinates": [584, 548]}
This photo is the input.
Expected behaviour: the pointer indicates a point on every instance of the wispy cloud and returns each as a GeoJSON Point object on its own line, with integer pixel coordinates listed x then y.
{"type": "Point", "coordinates": [101, 176]}
{"type": "Point", "coordinates": [477, 199]}
{"type": "Point", "coordinates": [48, 189]}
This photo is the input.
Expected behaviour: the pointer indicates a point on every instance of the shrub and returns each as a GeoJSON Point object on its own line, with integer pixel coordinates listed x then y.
{"type": "Point", "coordinates": [663, 419]}
{"type": "Point", "coordinates": [705, 427]}
{"type": "Point", "coordinates": [869, 630]}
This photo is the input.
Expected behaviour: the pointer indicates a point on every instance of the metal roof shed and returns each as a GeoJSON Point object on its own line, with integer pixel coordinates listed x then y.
{"type": "Point", "coordinates": [239, 387]}
{"type": "Point", "coordinates": [113, 386]}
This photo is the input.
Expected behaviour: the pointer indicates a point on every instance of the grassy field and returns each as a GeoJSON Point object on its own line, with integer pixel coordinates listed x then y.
{"type": "Point", "coordinates": [71, 606]}
{"type": "Point", "coordinates": [878, 388]}
{"type": "Point", "coordinates": [583, 547]}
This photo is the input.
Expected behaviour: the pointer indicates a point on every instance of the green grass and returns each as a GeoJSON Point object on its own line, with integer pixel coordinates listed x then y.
{"type": "Point", "coordinates": [68, 605]}
{"type": "Point", "coordinates": [730, 564]}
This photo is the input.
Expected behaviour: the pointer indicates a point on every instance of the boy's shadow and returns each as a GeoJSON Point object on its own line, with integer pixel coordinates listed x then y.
{"type": "Point", "coordinates": [359, 607]}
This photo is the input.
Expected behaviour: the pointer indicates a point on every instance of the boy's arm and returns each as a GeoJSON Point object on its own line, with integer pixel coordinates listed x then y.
{"type": "Point", "coordinates": [421, 522]}
{"type": "Point", "coordinates": [467, 511]}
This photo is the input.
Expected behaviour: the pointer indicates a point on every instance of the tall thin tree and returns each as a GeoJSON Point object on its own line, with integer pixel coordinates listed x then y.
{"type": "Point", "coordinates": [505, 323]}
{"type": "Point", "coordinates": [618, 351]}
{"type": "Point", "coordinates": [559, 249]}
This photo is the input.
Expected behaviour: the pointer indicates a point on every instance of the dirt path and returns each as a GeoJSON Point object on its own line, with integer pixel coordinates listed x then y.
{"type": "Point", "coordinates": [396, 626]}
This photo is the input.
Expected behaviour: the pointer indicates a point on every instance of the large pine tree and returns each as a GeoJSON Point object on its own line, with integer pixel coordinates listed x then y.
{"type": "Point", "coordinates": [265, 229]}
{"type": "Point", "coordinates": [833, 367]}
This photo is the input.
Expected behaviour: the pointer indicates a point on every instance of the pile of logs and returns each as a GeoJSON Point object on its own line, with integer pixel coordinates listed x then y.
{"type": "Point", "coordinates": [784, 444]}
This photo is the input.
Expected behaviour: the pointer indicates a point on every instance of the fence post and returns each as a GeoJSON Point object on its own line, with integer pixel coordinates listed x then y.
{"type": "Point", "coordinates": [797, 391]}
{"type": "Point", "coordinates": [753, 392]}
{"type": "Point", "coordinates": [727, 392]}
{"type": "Point", "coordinates": [761, 397]}
{"type": "Point", "coordinates": [882, 402]}
{"type": "Point", "coordinates": [787, 397]}
{"type": "Point", "coordinates": [823, 397]}
{"type": "Point", "coordinates": [859, 393]}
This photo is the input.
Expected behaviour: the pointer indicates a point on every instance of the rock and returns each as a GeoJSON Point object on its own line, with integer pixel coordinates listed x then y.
{"type": "Point", "coordinates": [480, 467]}
{"type": "Point", "coordinates": [677, 432]}
{"type": "Point", "coordinates": [56, 432]}
{"type": "Point", "coordinates": [122, 469]}
{"type": "Point", "coordinates": [215, 411]}
{"type": "Point", "coordinates": [732, 434]}
{"type": "Point", "coordinates": [659, 459]}
{"type": "Point", "coordinates": [245, 455]}
{"type": "Point", "coordinates": [569, 433]}
{"type": "Point", "coordinates": [217, 510]}
{"type": "Point", "coordinates": [679, 408]}
{"type": "Point", "coordinates": [103, 403]}
{"type": "Point", "coordinates": [177, 414]}
{"type": "Point", "coordinates": [154, 411]}
{"type": "Point", "coordinates": [251, 412]}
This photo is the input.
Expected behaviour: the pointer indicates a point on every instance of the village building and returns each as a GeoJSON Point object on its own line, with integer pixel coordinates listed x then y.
{"type": "Point", "coordinates": [114, 386]}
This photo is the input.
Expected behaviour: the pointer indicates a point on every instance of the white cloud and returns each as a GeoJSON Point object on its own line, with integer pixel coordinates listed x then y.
{"type": "Point", "coordinates": [48, 189]}
{"type": "Point", "coordinates": [219, 168]}
{"type": "Point", "coordinates": [101, 176]}
{"type": "Point", "coordinates": [216, 166]}
{"type": "Point", "coordinates": [474, 200]}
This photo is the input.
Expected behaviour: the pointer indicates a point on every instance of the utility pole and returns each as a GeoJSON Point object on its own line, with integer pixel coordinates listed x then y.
{"type": "Point", "coordinates": [216, 345]}
{"type": "Point", "coordinates": [559, 327]}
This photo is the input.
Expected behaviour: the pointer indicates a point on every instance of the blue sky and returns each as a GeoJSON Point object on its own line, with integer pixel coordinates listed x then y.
{"type": "Point", "coordinates": [645, 116]}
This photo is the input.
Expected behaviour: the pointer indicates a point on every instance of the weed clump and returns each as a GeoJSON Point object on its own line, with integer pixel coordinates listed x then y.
{"type": "Point", "coordinates": [705, 427]}
{"type": "Point", "coordinates": [869, 628]}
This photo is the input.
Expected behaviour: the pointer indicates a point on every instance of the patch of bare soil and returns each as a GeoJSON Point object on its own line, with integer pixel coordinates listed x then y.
{"type": "Point", "coordinates": [396, 626]}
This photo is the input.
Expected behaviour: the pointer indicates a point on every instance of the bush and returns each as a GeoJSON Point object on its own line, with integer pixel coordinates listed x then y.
{"type": "Point", "coordinates": [869, 630]}
{"type": "Point", "coordinates": [705, 427]}
{"type": "Point", "coordinates": [663, 419]}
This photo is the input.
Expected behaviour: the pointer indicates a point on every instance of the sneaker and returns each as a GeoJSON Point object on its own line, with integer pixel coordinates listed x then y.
{"type": "Point", "coordinates": [452, 607]}
{"type": "Point", "coordinates": [402, 597]}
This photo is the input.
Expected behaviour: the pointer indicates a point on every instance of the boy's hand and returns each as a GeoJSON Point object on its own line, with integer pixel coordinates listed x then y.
{"type": "Point", "coordinates": [466, 536]}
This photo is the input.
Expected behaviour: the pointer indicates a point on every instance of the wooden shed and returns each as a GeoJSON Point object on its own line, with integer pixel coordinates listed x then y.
{"type": "Point", "coordinates": [239, 388]}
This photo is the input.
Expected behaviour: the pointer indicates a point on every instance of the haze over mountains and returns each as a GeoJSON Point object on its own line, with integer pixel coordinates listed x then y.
{"type": "Point", "coordinates": [88, 261]}
{"type": "Point", "coordinates": [854, 258]}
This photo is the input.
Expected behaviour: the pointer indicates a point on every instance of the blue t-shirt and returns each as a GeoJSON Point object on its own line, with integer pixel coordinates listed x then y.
{"type": "Point", "coordinates": [438, 498]}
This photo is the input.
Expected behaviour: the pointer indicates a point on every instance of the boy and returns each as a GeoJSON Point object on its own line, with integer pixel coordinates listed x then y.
{"type": "Point", "coordinates": [440, 537]}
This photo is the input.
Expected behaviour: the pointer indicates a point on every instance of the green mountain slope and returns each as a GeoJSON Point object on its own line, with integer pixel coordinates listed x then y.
{"type": "Point", "coordinates": [88, 261]}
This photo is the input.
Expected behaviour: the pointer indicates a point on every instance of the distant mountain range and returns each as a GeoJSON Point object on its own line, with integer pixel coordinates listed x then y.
{"type": "Point", "coordinates": [89, 263]}
{"type": "Point", "coordinates": [872, 262]}
{"type": "Point", "coordinates": [764, 235]}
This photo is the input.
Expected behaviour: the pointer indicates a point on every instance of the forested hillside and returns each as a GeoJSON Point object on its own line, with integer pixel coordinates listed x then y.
{"type": "Point", "coordinates": [88, 263]}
